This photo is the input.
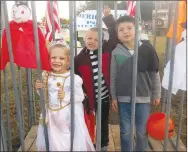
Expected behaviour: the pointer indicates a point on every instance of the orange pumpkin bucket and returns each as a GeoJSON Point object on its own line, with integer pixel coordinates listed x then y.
{"type": "Point", "coordinates": [156, 126]}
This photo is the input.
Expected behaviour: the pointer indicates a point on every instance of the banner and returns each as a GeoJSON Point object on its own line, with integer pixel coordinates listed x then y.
{"type": "Point", "coordinates": [87, 19]}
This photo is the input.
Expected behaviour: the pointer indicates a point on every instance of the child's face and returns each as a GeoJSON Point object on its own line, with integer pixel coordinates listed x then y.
{"type": "Point", "coordinates": [126, 32]}
{"type": "Point", "coordinates": [59, 60]}
{"type": "Point", "coordinates": [92, 40]}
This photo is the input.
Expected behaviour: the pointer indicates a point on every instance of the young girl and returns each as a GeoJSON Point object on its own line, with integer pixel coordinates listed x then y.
{"type": "Point", "coordinates": [58, 107]}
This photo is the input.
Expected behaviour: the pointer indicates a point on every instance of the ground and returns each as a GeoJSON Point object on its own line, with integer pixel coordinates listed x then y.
{"type": "Point", "coordinates": [160, 47]}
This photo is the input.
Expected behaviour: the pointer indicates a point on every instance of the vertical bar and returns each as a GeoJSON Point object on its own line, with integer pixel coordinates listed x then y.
{"type": "Point", "coordinates": [97, 6]}
{"type": "Point", "coordinates": [7, 110]}
{"type": "Point", "coordinates": [21, 97]}
{"type": "Point", "coordinates": [171, 74]}
{"type": "Point", "coordinates": [52, 18]}
{"type": "Point", "coordinates": [33, 99]}
{"type": "Point", "coordinates": [180, 120]}
{"type": "Point", "coordinates": [164, 92]}
{"type": "Point", "coordinates": [28, 101]}
{"type": "Point", "coordinates": [71, 17]}
{"type": "Point", "coordinates": [75, 27]}
{"type": "Point", "coordinates": [135, 58]}
{"type": "Point", "coordinates": [99, 105]}
{"type": "Point", "coordinates": [115, 9]}
{"type": "Point", "coordinates": [155, 31]}
{"type": "Point", "coordinates": [115, 114]}
{"type": "Point", "coordinates": [16, 95]}
{"type": "Point", "coordinates": [30, 94]}
{"type": "Point", "coordinates": [42, 103]}
{"type": "Point", "coordinates": [167, 55]}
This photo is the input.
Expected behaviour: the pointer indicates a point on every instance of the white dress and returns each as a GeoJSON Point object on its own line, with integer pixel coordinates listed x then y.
{"type": "Point", "coordinates": [59, 121]}
{"type": "Point", "coordinates": [180, 76]}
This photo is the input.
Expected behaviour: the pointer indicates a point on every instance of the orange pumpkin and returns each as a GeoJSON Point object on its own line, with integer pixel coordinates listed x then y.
{"type": "Point", "coordinates": [156, 126]}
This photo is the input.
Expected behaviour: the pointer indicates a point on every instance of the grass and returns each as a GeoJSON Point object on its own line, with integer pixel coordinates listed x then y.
{"type": "Point", "coordinates": [160, 47]}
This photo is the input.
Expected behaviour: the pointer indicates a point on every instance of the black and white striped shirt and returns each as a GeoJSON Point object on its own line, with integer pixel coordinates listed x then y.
{"type": "Point", "coordinates": [104, 89]}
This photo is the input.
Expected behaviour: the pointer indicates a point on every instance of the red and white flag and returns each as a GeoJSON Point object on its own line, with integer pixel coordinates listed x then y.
{"type": "Point", "coordinates": [55, 15]}
{"type": "Point", "coordinates": [131, 8]}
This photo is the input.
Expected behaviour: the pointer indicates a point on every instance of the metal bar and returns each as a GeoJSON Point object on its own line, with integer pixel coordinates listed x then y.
{"type": "Point", "coordinates": [71, 24]}
{"type": "Point", "coordinates": [167, 53]}
{"type": "Point", "coordinates": [135, 58]}
{"type": "Point", "coordinates": [97, 6]}
{"type": "Point", "coordinates": [75, 28]}
{"type": "Point", "coordinates": [41, 92]}
{"type": "Point", "coordinates": [171, 75]}
{"type": "Point", "coordinates": [115, 114]}
{"type": "Point", "coordinates": [180, 120]}
{"type": "Point", "coordinates": [155, 31]}
{"type": "Point", "coordinates": [99, 104]}
{"type": "Point", "coordinates": [52, 18]}
{"type": "Point", "coordinates": [30, 95]}
{"type": "Point", "coordinates": [16, 94]}
{"type": "Point", "coordinates": [7, 110]}
{"type": "Point", "coordinates": [164, 92]}
{"type": "Point", "coordinates": [21, 97]}
{"type": "Point", "coordinates": [28, 101]}
{"type": "Point", "coordinates": [33, 98]}
{"type": "Point", "coordinates": [115, 9]}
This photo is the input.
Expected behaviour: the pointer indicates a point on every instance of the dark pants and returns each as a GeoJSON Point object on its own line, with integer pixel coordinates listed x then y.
{"type": "Point", "coordinates": [104, 122]}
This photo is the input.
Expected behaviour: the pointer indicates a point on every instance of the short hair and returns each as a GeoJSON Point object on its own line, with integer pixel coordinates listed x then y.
{"type": "Point", "coordinates": [123, 19]}
{"type": "Point", "coordinates": [96, 29]}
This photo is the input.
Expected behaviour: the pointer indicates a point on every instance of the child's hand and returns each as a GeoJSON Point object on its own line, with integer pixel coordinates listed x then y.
{"type": "Point", "coordinates": [115, 105]}
{"type": "Point", "coordinates": [38, 85]}
{"type": "Point", "coordinates": [106, 11]}
{"type": "Point", "coordinates": [61, 94]}
{"type": "Point", "coordinates": [156, 102]}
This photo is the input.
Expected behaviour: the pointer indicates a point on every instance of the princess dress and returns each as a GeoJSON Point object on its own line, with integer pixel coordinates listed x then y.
{"type": "Point", "coordinates": [58, 114]}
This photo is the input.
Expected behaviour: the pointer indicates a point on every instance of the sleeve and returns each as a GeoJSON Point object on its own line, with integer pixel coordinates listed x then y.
{"type": "Point", "coordinates": [78, 91]}
{"type": "Point", "coordinates": [156, 85]}
{"type": "Point", "coordinates": [113, 76]}
{"type": "Point", "coordinates": [109, 21]}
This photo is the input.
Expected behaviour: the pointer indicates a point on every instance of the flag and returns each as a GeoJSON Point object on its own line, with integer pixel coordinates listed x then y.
{"type": "Point", "coordinates": [181, 19]}
{"type": "Point", "coordinates": [55, 15]}
{"type": "Point", "coordinates": [131, 8]}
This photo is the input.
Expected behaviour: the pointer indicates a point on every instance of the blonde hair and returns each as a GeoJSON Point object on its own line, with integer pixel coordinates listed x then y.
{"type": "Point", "coordinates": [63, 47]}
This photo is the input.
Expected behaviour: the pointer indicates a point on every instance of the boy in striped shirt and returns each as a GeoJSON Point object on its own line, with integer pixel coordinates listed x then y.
{"type": "Point", "coordinates": [86, 65]}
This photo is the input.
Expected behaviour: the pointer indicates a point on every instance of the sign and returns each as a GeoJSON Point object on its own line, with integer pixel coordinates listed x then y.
{"type": "Point", "coordinates": [87, 19]}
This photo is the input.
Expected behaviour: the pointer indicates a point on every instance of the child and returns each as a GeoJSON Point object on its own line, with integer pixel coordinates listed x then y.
{"type": "Point", "coordinates": [58, 108]}
{"type": "Point", "coordinates": [148, 83]}
{"type": "Point", "coordinates": [86, 65]}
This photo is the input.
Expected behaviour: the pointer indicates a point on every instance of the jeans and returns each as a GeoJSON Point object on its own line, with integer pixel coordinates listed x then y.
{"type": "Point", "coordinates": [142, 112]}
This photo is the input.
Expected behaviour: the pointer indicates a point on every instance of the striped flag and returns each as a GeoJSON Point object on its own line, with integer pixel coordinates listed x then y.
{"type": "Point", "coordinates": [131, 8]}
{"type": "Point", "coordinates": [55, 15]}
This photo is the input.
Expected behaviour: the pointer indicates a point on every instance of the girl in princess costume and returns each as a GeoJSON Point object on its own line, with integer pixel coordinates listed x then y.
{"type": "Point", "coordinates": [57, 85]}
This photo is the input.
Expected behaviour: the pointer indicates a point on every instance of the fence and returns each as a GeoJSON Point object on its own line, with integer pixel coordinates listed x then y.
{"type": "Point", "coordinates": [22, 97]}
